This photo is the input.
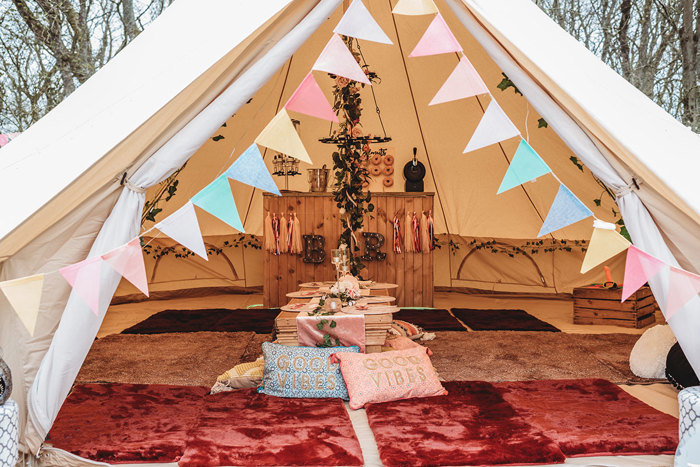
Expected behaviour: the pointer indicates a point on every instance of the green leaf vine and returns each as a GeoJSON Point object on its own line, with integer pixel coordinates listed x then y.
{"type": "Point", "coordinates": [350, 160]}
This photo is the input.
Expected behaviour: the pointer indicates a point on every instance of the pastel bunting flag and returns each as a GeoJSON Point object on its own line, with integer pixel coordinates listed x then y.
{"type": "Point", "coordinates": [183, 227]}
{"type": "Point", "coordinates": [566, 209]}
{"type": "Point", "coordinates": [526, 165]}
{"type": "Point", "coordinates": [604, 244]}
{"type": "Point", "coordinates": [217, 199]}
{"type": "Point", "coordinates": [494, 127]}
{"type": "Point", "coordinates": [280, 135]}
{"type": "Point", "coordinates": [358, 22]}
{"type": "Point", "coordinates": [415, 7]}
{"type": "Point", "coordinates": [682, 287]}
{"type": "Point", "coordinates": [437, 39]}
{"type": "Point", "coordinates": [338, 60]}
{"type": "Point", "coordinates": [639, 268]}
{"type": "Point", "coordinates": [463, 82]}
{"type": "Point", "coordinates": [84, 277]}
{"type": "Point", "coordinates": [24, 295]}
{"type": "Point", "coordinates": [308, 99]}
{"type": "Point", "coordinates": [250, 169]}
{"type": "Point", "coordinates": [127, 260]}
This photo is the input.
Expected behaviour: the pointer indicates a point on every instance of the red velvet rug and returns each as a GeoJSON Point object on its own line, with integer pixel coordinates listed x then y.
{"type": "Point", "coordinates": [592, 417]}
{"type": "Point", "coordinates": [119, 423]}
{"type": "Point", "coordinates": [472, 425]}
{"type": "Point", "coordinates": [245, 428]}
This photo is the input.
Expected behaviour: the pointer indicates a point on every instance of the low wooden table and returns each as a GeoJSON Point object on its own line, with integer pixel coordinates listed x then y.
{"type": "Point", "coordinates": [376, 325]}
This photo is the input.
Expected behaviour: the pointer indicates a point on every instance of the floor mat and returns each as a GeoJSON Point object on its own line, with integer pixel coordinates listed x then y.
{"type": "Point", "coordinates": [246, 428]}
{"type": "Point", "coordinates": [592, 417]}
{"type": "Point", "coordinates": [501, 320]}
{"type": "Point", "coordinates": [119, 423]}
{"type": "Point", "coordinates": [430, 319]}
{"type": "Point", "coordinates": [472, 425]}
{"type": "Point", "coordinates": [522, 355]}
{"type": "Point", "coordinates": [188, 359]}
{"type": "Point", "coordinates": [258, 320]}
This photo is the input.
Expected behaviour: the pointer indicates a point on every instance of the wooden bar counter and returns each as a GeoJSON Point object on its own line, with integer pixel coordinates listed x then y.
{"type": "Point", "coordinates": [318, 215]}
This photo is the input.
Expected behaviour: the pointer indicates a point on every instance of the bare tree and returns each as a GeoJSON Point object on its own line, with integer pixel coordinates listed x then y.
{"type": "Point", "coordinates": [49, 47]}
{"type": "Point", "coordinates": [651, 43]}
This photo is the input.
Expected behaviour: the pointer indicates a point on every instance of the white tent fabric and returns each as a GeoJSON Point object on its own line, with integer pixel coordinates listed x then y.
{"type": "Point", "coordinates": [613, 128]}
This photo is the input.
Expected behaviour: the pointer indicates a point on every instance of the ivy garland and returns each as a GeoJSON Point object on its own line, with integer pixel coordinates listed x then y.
{"type": "Point", "coordinates": [179, 251]}
{"type": "Point", "coordinates": [350, 160]}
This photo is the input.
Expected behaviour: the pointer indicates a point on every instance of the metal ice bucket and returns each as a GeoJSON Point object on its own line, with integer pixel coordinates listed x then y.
{"type": "Point", "coordinates": [318, 179]}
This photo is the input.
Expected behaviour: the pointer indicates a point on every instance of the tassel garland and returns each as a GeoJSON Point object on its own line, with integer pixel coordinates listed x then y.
{"type": "Point", "coordinates": [297, 247]}
{"type": "Point", "coordinates": [284, 234]}
{"type": "Point", "coordinates": [408, 228]}
{"type": "Point", "coordinates": [431, 230]}
{"type": "Point", "coordinates": [424, 234]}
{"type": "Point", "coordinates": [276, 234]}
{"type": "Point", "coordinates": [397, 234]}
{"type": "Point", "coordinates": [415, 228]}
{"type": "Point", "coordinates": [268, 234]}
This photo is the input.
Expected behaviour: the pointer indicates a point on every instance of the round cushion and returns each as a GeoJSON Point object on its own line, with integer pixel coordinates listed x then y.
{"type": "Point", "coordinates": [678, 369]}
{"type": "Point", "coordinates": [5, 381]}
{"type": "Point", "coordinates": [648, 356]}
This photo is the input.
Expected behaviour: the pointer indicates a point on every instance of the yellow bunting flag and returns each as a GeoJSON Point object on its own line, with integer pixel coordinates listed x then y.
{"type": "Point", "coordinates": [280, 135]}
{"type": "Point", "coordinates": [24, 294]}
{"type": "Point", "coordinates": [415, 7]}
{"type": "Point", "coordinates": [605, 243]}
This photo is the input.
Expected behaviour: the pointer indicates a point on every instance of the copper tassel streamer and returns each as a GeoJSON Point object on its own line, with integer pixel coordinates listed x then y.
{"type": "Point", "coordinates": [298, 247]}
{"type": "Point", "coordinates": [268, 233]}
{"type": "Point", "coordinates": [431, 230]}
{"type": "Point", "coordinates": [290, 234]}
{"type": "Point", "coordinates": [276, 233]}
{"type": "Point", "coordinates": [408, 228]}
{"type": "Point", "coordinates": [397, 235]}
{"type": "Point", "coordinates": [424, 234]}
{"type": "Point", "coordinates": [284, 234]}
{"type": "Point", "coordinates": [415, 228]}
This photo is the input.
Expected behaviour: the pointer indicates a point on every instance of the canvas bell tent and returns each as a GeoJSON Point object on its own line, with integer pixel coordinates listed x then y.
{"type": "Point", "coordinates": [75, 183]}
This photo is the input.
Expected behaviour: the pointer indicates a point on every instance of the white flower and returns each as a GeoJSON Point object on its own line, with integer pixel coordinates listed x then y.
{"type": "Point", "coordinates": [334, 290]}
{"type": "Point", "coordinates": [342, 211]}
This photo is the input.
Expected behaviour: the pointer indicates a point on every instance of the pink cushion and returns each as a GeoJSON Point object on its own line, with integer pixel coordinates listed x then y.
{"type": "Point", "coordinates": [388, 376]}
{"type": "Point", "coordinates": [403, 343]}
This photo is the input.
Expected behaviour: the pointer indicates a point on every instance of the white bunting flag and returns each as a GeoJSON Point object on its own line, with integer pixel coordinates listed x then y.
{"type": "Point", "coordinates": [24, 294]}
{"type": "Point", "coordinates": [183, 227]}
{"type": "Point", "coordinates": [358, 22]}
{"type": "Point", "coordinates": [494, 127]}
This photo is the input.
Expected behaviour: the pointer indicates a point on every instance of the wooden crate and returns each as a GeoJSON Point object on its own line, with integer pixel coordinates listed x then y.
{"type": "Point", "coordinates": [318, 214]}
{"type": "Point", "coordinates": [603, 306]}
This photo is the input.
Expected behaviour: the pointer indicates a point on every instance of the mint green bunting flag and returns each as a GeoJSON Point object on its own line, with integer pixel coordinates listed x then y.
{"type": "Point", "coordinates": [217, 199]}
{"type": "Point", "coordinates": [566, 209]}
{"type": "Point", "coordinates": [526, 165]}
{"type": "Point", "coordinates": [250, 169]}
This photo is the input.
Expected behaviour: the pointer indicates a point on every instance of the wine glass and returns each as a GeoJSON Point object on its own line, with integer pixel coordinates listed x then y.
{"type": "Point", "coordinates": [336, 259]}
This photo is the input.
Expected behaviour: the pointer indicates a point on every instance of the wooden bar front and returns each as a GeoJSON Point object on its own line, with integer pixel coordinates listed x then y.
{"type": "Point", "coordinates": [318, 215]}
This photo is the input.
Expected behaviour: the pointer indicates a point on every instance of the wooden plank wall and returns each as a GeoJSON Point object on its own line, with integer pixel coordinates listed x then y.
{"type": "Point", "coordinates": [318, 215]}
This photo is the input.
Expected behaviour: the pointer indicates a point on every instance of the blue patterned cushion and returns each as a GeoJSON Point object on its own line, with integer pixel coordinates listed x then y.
{"type": "Point", "coordinates": [294, 371]}
{"type": "Point", "coordinates": [688, 452]}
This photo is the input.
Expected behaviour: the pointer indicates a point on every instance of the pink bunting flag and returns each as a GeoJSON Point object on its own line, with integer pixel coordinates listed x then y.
{"type": "Point", "coordinates": [438, 39]}
{"type": "Point", "coordinates": [462, 83]}
{"type": "Point", "coordinates": [127, 260]}
{"type": "Point", "coordinates": [338, 60]}
{"type": "Point", "coordinates": [639, 268]}
{"type": "Point", "coordinates": [308, 99]}
{"type": "Point", "coordinates": [682, 287]}
{"type": "Point", "coordinates": [84, 277]}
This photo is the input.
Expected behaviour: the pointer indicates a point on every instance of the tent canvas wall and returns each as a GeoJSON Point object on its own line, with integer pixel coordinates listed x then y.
{"type": "Point", "coordinates": [166, 94]}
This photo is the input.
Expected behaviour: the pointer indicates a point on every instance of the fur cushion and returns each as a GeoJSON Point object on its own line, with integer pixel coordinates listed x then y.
{"type": "Point", "coordinates": [243, 375]}
{"type": "Point", "coordinates": [648, 356]}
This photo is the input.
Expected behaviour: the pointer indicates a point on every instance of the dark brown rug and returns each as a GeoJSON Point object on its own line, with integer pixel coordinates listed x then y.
{"type": "Point", "coordinates": [430, 319]}
{"type": "Point", "coordinates": [257, 320]}
{"type": "Point", "coordinates": [501, 320]}
{"type": "Point", "coordinates": [187, 359]}
{"type": "Point", "coordinates": [522, 355]}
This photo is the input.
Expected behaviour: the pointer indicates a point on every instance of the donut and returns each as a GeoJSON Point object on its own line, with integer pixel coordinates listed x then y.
{"type": "Point", "coordinates": [388, 170]}
{"type": "Point", "coordinates": [388, 181]}
{"type": "Point", "coordinates": [376, 159]}
{"type": "Point", "coordinates": [375, 170]}
{"type": "Point", "coordinates": [389, 159]}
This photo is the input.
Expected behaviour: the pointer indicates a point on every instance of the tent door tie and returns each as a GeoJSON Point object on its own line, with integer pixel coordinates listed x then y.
{"type": "Point", "coordinates": [633, 185]}
{"type": "Point", "coordinates": [127, 182]}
